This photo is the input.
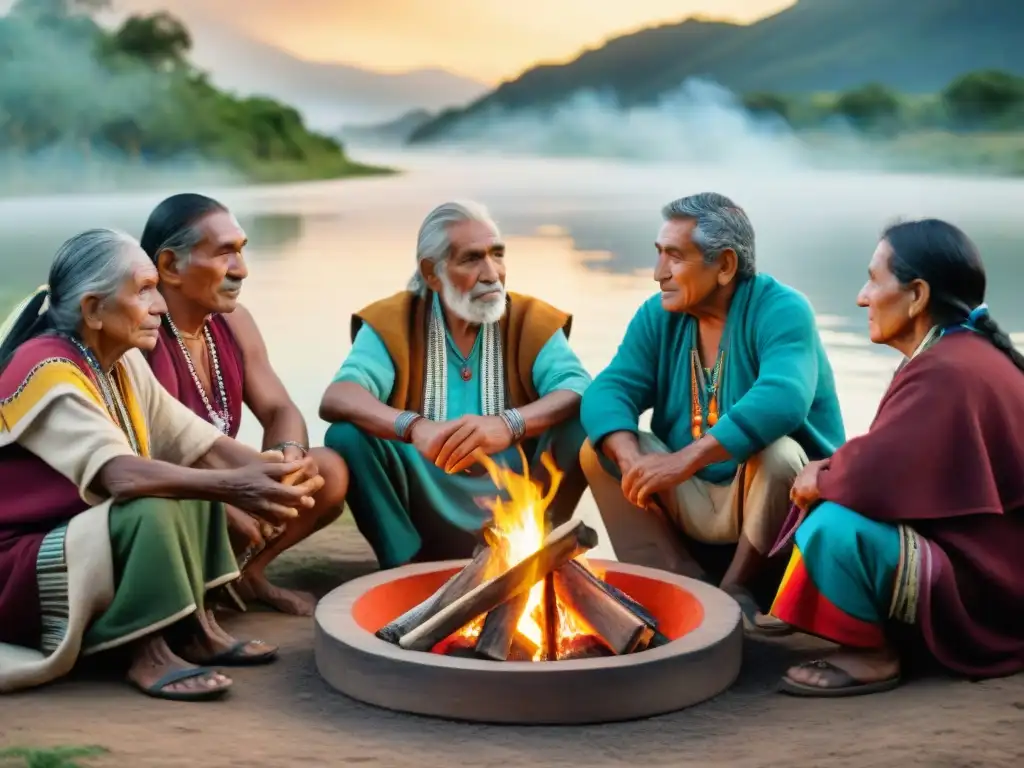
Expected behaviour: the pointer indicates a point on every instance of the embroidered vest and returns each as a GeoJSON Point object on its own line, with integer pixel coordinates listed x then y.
{"type": "Point", "coordinates": [401, 322]}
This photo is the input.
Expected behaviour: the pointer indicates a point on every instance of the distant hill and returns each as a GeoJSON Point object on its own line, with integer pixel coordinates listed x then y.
{"type": "Point", "coordinates": [915, 46]}
{"type": "Point", "coordinates": [328, 95]}
{"type": "Point", "coordinates": [392, 133]}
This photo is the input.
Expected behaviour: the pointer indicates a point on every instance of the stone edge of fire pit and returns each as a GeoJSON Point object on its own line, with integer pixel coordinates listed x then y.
{"type": "Point", "coordinates": [685, 672]}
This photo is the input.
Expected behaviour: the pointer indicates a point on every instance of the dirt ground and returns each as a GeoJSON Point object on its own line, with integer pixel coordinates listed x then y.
{"type": "Point", "coordinates": [285, 715]}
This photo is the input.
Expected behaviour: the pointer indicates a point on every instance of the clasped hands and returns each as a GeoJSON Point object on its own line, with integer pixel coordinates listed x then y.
{"type": "Point", "coordinates": [456, 445]}
{"type": "Point", "coordinates": [274, 488]}
{"type": "Point", "coordinates": [644, 476]}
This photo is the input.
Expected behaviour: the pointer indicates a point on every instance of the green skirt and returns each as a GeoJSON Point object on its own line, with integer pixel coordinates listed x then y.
{"type": "Point", "coordinates": [167, 554]}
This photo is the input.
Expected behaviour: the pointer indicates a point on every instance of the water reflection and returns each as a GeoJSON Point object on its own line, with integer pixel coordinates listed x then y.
{"type": "Point", "coordinates": [580, 234]}
{"type": "Point", "coordinates": [270, 232]}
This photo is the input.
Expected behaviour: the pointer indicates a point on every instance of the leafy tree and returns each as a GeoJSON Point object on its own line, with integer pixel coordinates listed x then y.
{"type": "Point", "coordinates": [70, 87]}
{"type": "Point", "coordinates": [980, 98]}
{"type": "Point", "coordinates": [160, 40]}
{"type": "Point", "coordinates": [872, 106]}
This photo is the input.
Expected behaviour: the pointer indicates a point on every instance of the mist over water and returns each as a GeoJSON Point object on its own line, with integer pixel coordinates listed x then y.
{"type": "Point", "coordinates": [71, 110]}
{"type": "Point", "coordinates": [699, 122]}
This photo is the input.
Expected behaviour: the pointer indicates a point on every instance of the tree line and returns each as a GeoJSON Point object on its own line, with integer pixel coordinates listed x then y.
{"type": "Point", "coordinates": [71, 88]}
{"type": "Point", "coordinates": [988, 100]}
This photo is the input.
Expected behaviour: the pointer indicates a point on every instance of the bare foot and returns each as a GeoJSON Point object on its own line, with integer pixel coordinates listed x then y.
{"type": "Point", "coordinates": [153, 659]}
{"type": "Point", "coordinates": [211, 640]}
{"type": "Point", "coordinates": [256, 587]}
{"type": "Point", "coordinates": [864, 666]}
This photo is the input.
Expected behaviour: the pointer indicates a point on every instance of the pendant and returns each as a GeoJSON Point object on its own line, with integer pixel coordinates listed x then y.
{"type": "Point", "coordinates": [467, 373]}
{"type": "Point", "coordinates": [219, 423]}
{"type": "Point", "coordinates": [695, 424]}
{"type": "Point", "coordinates": [713, 411]}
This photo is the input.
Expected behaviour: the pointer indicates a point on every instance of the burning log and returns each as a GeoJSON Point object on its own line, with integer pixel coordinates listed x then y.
{"type": "Point", "coordinates": [456, 645]}
{"type": "Point", "coordinates": [560, 546]}
{"type": "Point", "coordinates": [458, 585]}
{"type": "Point", "coordinates": [657, 638]}
{"type": "Point", "coordinates": [585, 647]}
{"type": "Point", "coordinates": [522, 649]}
{"type": "Point", "coordinates": [550, 619]}
{"type": "Point", "coordinates": [495, 641]}
{"type": "Point", "coordinates": [621, 629]}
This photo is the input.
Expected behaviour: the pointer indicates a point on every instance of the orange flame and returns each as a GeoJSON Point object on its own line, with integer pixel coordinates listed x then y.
{"type": "Point", "coordinates": [517, 531]}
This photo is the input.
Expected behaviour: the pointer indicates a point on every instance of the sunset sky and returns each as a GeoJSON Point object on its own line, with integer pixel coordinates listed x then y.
{"type": "Point", "coordinates": [485, 39]}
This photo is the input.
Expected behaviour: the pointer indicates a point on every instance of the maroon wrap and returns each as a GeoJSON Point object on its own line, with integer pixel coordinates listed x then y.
{"type": "Point", "coordinates": [171, 370]}
{"type": "Point", "coordinates": [945, 455]}
{"type": "Point", "coordinates": [34, 499]}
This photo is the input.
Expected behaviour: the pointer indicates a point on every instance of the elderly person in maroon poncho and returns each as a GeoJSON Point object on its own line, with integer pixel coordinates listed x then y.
{"type": "Point", "coordinates": [914, 542]}
{"type": "Point", "coordinates": [113, 529]}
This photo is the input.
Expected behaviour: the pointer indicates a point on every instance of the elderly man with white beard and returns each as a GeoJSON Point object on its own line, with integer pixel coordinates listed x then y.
{"type": "Point", "coordinates": [442, 373]}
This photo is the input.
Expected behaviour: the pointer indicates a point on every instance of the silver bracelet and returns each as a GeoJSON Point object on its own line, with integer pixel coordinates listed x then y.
{"type": "Point", "coordinates": [403, 424]}
{"type": "Point", "coordinates": [515, 423]}
{"type": "Point", "coordinates": [281, 446]}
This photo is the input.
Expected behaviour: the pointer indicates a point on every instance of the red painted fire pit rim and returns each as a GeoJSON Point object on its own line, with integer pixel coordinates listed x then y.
{"type": "Point", "coordinates": [334, 615]}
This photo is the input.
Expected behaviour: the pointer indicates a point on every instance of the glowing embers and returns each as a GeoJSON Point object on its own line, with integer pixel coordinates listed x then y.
{"type": "Point", "coordinates": [529, 593]}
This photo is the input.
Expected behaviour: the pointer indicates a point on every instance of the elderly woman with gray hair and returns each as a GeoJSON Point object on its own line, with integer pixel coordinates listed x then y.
{"type": "Point", "coordinates": [112, 522]}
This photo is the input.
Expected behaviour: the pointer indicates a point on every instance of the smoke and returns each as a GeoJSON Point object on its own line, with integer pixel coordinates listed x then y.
{"type": "Point", "coordinates": [698, 123]}
{"type": "Point", "coordinates": [70, 115]}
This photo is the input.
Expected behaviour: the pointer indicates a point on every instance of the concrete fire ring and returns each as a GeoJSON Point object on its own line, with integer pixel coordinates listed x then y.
{"type": "Point", "coordinates": [695, 666]}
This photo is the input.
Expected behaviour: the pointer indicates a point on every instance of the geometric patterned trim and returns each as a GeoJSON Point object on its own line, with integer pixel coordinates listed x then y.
{"type": "Point", "coordinates": [435, 384]}
{"type": "Point", "coordinates": [907, 589]}
{"type": "Point", "coordinates": [35, 369]}
{"type": "Point", "coordinates": [52, 578]}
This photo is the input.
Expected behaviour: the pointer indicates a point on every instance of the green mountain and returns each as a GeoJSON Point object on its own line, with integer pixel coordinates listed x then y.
{"type": "Point", "coordinates": [83, 104]}
{"type": "Point", "coordinates": [914, 46]}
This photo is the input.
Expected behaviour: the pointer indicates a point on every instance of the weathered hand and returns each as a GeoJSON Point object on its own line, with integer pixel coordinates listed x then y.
{"type": "Point", "coordinates": [653, 474]}
{"type": "Point", "coordinates": [244, 525]}
{"type": "Point", "coordinates": [261, 489]}
{"type": "Point", "coordinates": [483, 434]}
{"type": "Point", "coordinates": [627, 462]}
{"type": "Point", "coordinates": [805, 492]}
{"type": "Point", "coordinates": [291, 454]}
{"type": "Point", "coordinates": [428, 436]}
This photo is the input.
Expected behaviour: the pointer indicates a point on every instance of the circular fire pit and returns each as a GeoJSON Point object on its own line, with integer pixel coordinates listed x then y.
{"type": "Point", "coordinates": [702, 659]}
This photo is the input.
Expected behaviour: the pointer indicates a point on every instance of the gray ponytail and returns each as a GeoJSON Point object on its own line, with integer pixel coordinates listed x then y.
{"type": "Point", "coordinates": [94, 262]}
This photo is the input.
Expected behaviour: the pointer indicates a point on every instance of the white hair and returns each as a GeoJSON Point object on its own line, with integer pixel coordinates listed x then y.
{"type": "Point", "coordinates": [434, 244]}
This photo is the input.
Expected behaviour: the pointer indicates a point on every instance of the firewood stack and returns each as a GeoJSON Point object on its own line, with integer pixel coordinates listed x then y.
{"type": "Point", "coordinates": [616, 623]}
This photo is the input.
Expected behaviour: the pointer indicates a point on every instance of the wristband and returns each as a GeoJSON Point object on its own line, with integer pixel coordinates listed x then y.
{"type": "Point", "coordinates": [403, 425]}
{"type": "Point", "coordinates": [515, 423]}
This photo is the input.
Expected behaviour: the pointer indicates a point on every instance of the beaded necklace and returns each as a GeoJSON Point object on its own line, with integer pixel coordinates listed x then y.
{"type": "Point", "coordinates": [221, 418]}
{"type": "Point", "coordinates": [704, 386]}
{"type": "Point", "coordinates": [110, 392]}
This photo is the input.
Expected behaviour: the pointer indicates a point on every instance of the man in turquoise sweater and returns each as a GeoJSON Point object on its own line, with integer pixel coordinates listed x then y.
{"type": "Point", "coordinates": [742, 394]}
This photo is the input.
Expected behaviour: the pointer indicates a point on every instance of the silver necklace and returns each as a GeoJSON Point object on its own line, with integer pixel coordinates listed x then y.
{"type": "Point", "coordinates": [111, 394]}
{"type": "Point", "coordinates": [221, 419]}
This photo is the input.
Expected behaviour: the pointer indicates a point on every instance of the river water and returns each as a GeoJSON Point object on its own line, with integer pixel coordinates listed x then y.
{"type": "Point", "coordinates": [580, 234]}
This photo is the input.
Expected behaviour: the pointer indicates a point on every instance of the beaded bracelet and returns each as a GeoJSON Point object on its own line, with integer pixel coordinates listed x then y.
{"type": "Point", "coordinates": [403, 425]}
{"type": "Point", "coordinates": [515, 423]}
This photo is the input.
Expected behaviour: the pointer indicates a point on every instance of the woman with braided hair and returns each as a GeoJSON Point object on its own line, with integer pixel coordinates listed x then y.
{"type": "Point", "coordinates": [908, 541]}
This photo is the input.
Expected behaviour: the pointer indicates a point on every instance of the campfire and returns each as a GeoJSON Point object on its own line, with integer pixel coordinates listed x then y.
{"type": "Point", "coordinates": [529, 593]}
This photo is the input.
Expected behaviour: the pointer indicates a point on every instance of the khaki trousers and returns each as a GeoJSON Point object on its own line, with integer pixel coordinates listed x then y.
{"type": "Point", "coordinates": [755, 504]}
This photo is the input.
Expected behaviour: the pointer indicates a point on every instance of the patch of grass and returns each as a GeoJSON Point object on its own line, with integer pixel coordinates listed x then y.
{"type": "Point", "coordinates": [53, 757]}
